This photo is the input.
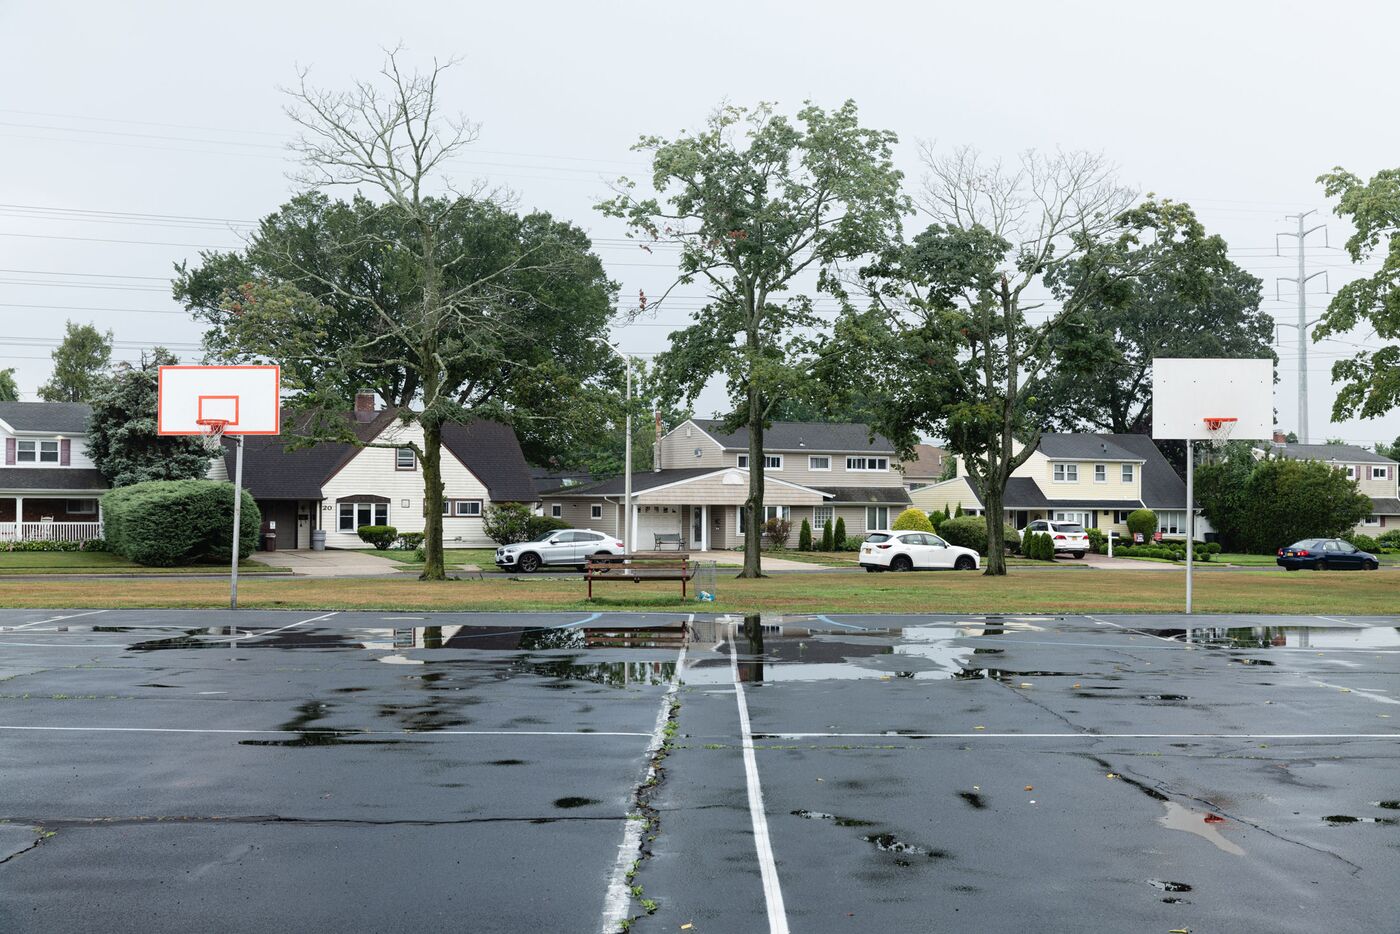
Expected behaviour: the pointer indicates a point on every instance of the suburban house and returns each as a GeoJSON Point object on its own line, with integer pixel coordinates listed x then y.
{"type": "Point", "coordinates": [1095, 480]}
{"type": "Point", "coordinates": [337, 487]}
{"type": "Point", "coordinates": [49, 488]}
{"type": "Point", "coordinates": [812, 470]}
{"type": "Point", "coordinates": [925, 467]}
{"type": "Point", "coordinates": [1376, 476]}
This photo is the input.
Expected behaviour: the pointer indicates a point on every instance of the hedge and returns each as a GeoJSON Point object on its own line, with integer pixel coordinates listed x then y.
{"type": "Point", "coordinates": [165, 523]}
{"type": "Point", "coordinates": [912, 519]}
{"type": "Point", "coordinates": [966, 532]}
{"type": "Point", "coordinates": [378, 536]}
{"type": "Point", "coordinates": [1142, 521]}
{"type": "Point", "coordinates": [92, 544]}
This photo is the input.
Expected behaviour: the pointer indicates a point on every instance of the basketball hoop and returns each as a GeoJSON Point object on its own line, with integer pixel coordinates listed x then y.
{"type": "Point", "coordinates": [1219, 429]}
{"type": "Point", "coordinates": [213, 437]}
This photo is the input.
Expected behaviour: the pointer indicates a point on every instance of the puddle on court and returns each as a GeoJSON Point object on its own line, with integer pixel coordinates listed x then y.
{"type": "Point", "coordinates": [834, 818]}
{"type": "Point", "coordinates": [308, 713]}
{"type": "Point", "coordinates": [1180, 817]}
{"type": "Point", "coordinates": [1337, 820]}
{"type": "Point", "coordinates": [1280, 637]}
{"type": "Point", "coordinates": [574, 802]}
{"type": "Point", "coordinates": [1166, 886]}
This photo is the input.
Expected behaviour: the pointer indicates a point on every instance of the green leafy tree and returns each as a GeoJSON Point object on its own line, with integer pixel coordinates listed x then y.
{"type": "Point", "coordinates": [840, 537]}
{"type": "Point", "coordinates": [1280, 501]}
{"type": "Point", "coordinates": [804, 536]}
{"type": "Point", "coordinates": [122, 438]}
{"type": "Point", "coordinates": [9, 389]}
{"type": "Point", "coordinates": [752, 202]}
{"type": "Point", "coordinates": [450, 302]}
{"type": "Point", "coordinates": [912, 520]}
{"type": "Point", "coordinates": [828, 537]}
{"type": "Point", "coordinates": [1391, 450]}
{"type": "Point", "coordinates": [1370, 379]}
{"type": "Point", "coordinates": [79, 364]}
{"type": "Point", "coordinates": [959, 513]}
{"type": "Point", "coordinates": [1177, 295]}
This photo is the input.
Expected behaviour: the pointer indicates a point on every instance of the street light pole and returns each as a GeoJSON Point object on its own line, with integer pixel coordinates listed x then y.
{"type": "Point", "coordinates": [628, 525]}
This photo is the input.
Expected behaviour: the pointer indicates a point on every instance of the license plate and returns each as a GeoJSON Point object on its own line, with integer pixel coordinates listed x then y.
{"type": "Point", "coordinates": [864, 551]}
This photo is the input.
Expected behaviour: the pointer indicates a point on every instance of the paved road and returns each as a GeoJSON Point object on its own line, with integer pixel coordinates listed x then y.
{"type": "Point", "coordinates": [405, 772]}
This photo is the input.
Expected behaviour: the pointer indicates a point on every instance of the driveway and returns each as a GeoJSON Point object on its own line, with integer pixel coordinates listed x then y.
{"type": "Point", "coordinates": [329, 563]}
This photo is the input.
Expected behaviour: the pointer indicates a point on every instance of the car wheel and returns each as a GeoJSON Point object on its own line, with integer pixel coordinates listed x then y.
{"type": "Point", "coordinates": [964, 563]}
{"type": "Point", "coordinates": [528, 563]}
{"type": "Point", "coordinates": [1370, 565]}
{"type": "Point", "coordinates": [901, 563]}
{"type": "Point", "coordinates": [868, 570]}
{"type": "Point", "coordinates": [1317, 566]}
{"type": "Point", "coordinates": [1079, 555]}
{"type": "Point", "coordinates": [1286, 568]}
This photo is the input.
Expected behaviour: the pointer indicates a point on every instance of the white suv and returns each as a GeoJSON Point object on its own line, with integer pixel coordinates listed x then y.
{"type": "Point", "coordinates": [914, 551]}
{"type": "Point", "coordinates": [563, 546]}
{"type": "Point", "coordinates": [1067, 536]}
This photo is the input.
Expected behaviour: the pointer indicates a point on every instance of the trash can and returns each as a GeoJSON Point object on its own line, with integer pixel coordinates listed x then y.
{"type": "Point", "coordinates": [318, 539]}
{"type": "Point", "coordinates": [269, 541]}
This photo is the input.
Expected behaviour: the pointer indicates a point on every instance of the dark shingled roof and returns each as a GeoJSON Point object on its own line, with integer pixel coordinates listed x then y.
{"type": "Point", "coordinates": [1021, 493]}
{"type": "Point", "coordinates": [51, 478]}
{"type": "Point", "coordinates": [816, 437]}
{"type": "Point", "coordinates": [879, 495]}
{"type": "Point", "coordinates": [1380, 506]}
{"type": "Point", "coordinates": [1086, 447]}
{"type": "Point", "coordinates": [68, 418]}
{"type": "Point", "coordinates": [614, 486]}
{"type": "Point", "coordinates": [1162, 488]}
{"type": "Point", "coordinates": [492, 452]}
{"type": "Point", "coordinates": [1341, 453]}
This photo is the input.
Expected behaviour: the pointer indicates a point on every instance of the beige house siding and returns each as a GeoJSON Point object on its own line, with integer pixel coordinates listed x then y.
{"type": "Point", "coordinates": [678, 448]}
{"type": "Point", "coordinates": [579, 515]}
{"type": "Point", "coordinates": [727, 489]}
{"type": "Point", "coordinates": [372, 472]}
{"type": "Point", "coordinates": [1383, 488]}
{"type": "Point", "coordinates": [1042, 470]}
{"type": "Point", "coordinates": [796, 469]}
{"type": "Point", "coordinates": [950, 493]}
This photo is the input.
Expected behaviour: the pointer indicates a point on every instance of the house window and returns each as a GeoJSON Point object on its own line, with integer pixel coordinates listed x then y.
{"type": "Point", "coordinates": [42, 452]}
{"type": "Point", "coordinates": [868, 463]}
{"type": "Point", "coordinates": [82, 507]}
{"type": "Point", "coordinates": [1100, 473]}
{"type": "Point", "coordinates": [1171, 522]}
{"type": "Point", "coordinates": [354, 515]}
{"type": "Point", "coordinates": [1120, 516]}
{"type": "Point", "coordinates": [821, 515]}
{"type": "Point", "coordinates": [1127, 473]}
{"type": "Point", "coordinates": [1371, 520]}
{"type": "Point", "coordinates": [1066, 473]}
{"type": "Point", "coordinates": [769, 512]}
{"type": "Point", "coordinates": [877, 517]}
{"type": "Point", "coordinates": [404, 459]}
{"type": "Point", "coordinates": [1351, 471]}
{"type": "Point", "coordinates": [770, 461]}
{"type": "Point", "coordinates": [1083, 518]}
{"type": "Point", "coordinates": [594, 512]}
{"type": "Point", "coordinates": [1380, 473]}
{"type": "Point", "coordinates": [467, 507]}
{"type": "Point", "coordinates": [819, 462]}
{"type": "Point", "coordinates": [555, 510]}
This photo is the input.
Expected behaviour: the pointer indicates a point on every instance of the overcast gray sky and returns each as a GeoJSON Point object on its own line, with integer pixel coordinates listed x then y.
{"type": "Point", "coordinates": [133, 134]}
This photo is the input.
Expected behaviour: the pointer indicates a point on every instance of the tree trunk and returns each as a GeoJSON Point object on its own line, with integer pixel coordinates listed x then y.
{"type": "Point", "coordinates": [753, 506]}
{"type": "Point", "coordinates": [432, 503]}
{"type": "Point", "coordinates": [996, 525]}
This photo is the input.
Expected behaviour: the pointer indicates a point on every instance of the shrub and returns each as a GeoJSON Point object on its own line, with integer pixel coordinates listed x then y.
{"type": "Point", "coordinates": [1142, 521]}
{"type": "Point", "coordinates": [409, 541]}
{"type": "Point", "coordinates": [536, 526]}
{"type": "Point", "coordinates": [804, 537]}
{"type": "Point", "coordinates": [1364, 542]}
{"type": "Point", "coordinates": [41, 545]}
{"type": "Point", "coordinates": [1256, 507]}
{"type": "Point", "coordinates": [1044, 547]}
{"type": "Point", "coordinates": [966, 531]}
{"type": "Point", "coordinates": [507, 523]}
{"type": "Point", "coordinates": [852, 543]}
{"type": "Point", "coordinates": [1098, 541]}
{"type": "Point", "coordinates": [776, 532]}
{"type": "Point", "coordinates": [164, 523]}
{"type": "Point", "coordinates": [380, 536]}
{"type": "Point", "coordinates": [1213, 548]}
{"type": "Point", "coordinates": [840, 539]}
{"type": "Point", "coordinates": [419, 554]}
{"type": "Point", "coordinates": [1389, 539]}
{"type": "Point", "coordinates": [828, 537]}
{"type": "Point", "coordinates": [934, 518]}
{"type": "Point", "coordinates": [959, 513]}
{"type": "Point", "coordinates": [912, 520]}
{"type": "Point", "coordinates": [1012, 538]}
{"type": "Point", "coordinates": [93, 544]}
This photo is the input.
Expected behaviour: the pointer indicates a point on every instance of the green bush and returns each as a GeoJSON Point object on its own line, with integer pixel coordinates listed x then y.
{"type": "Point", "coordinates": [380, 536]}
{"type": "Point", "coordinates": [164, 523]}
{"type": "Point", "coordinates": [1213, 547]}
{"type": "Point", "coordinates": [965, 531]}
{"type": "Point", "coordinates": [1389, 539]}
{"type": "Point", "coordinates": [804, 537]}
{"type": "Point", "coordinates": [409, 541]}
{"type": "Point", "coordinates": [1012, 538]}
{"type": "Point", "coordinates": [1098, 541]}
{"type": "Point", "coordinates": [1142, 521]}
{"type": "Point", "coordinates": [507, 523]}
{"type": "Point", "coordinates": [43, 545]}
{"type": "Point", "coordinates": [840, 539]}
{"type": "Point", "coordinates": [1364, 542]}
{"type": "Point", "coordinates": [852, 543]}
{"type": "Point", "coordinates": [912, 520]}
{"type": "Point", "coordinates": [777, 531]}
{"type": "Point", "coordinates": [1258, 506]}
{"type": "Point", "coordinates": [94, 544]}
{"type": "Point", "coordinates": [934, 518]}
{"type": "Point", "coordinates": [828, 537]}
{"type": "Point", "coordinates": [959, 513]}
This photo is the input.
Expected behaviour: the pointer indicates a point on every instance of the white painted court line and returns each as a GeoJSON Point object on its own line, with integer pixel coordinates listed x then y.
{"type": "Point", "coordinates": [53, 619]}
{"type": "Point", "coordinates": [301, 622]}
{"type": "Point", "coordinates": [617, 903]}
{"type": "Point", "coordinates": [345, 732]}
{"type": "Point", "coordinates": [768, 869]}
{"type": "Point", "coordinates": [988, 735]}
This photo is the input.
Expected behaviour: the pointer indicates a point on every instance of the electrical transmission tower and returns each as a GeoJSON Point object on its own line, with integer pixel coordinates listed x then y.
{"type": "Point", "coordinates": [1301, 280]}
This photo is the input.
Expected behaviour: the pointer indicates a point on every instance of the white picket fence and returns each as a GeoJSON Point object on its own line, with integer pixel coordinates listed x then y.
{"type": "Point", "coordinates": [49, 531]}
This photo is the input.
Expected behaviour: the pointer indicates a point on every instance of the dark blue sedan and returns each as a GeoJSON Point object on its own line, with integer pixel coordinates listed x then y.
{"type": "Point", "coordinates": [1326, 554]}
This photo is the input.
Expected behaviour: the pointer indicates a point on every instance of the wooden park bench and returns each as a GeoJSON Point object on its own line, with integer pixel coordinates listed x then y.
{"type": "Point", "coordinates": [666, 540]}
{"type": "Point", "coordinates": [638, 568]}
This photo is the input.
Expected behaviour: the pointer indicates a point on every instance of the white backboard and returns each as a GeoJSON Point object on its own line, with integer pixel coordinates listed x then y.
{"type": "Point", "coordinates": [249, 398]}
{"type": "Point", "coordinates": [1188, 390]}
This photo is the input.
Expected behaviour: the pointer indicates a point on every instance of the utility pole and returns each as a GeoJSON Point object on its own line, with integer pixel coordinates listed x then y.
{"type": "Point", "coordinates": [1303, 323]}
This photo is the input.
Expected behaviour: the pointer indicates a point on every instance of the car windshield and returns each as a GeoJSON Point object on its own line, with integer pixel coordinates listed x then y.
{"type": "Point", "coordinates": [873, 539]}
{"type": "Point", "coordinates": [539, 538]}
{"type": "Point", "coordinates": [1305, 543]}
{"type": "Point", "coordinates": [1072, 527]}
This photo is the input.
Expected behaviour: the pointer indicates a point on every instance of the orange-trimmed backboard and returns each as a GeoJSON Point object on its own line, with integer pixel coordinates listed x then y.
{"type": "Point", "coordinates": [248, 398]}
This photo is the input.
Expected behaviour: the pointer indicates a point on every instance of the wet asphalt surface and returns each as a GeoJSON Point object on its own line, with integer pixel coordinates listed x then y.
{"type": "Point", "coordinates": [380, 772]}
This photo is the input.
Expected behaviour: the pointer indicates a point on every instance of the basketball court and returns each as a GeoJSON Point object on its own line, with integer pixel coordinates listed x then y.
{"type": "Point", "coordinates": [270, 770]}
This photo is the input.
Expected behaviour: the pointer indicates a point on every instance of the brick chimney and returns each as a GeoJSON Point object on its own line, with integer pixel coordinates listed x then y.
{"type": "Point", "coordinates": [656, 445]}
{"type": "Point", "coordinates": [364, 405]}
{"type": "Point", "coordinates": [1280, 438]}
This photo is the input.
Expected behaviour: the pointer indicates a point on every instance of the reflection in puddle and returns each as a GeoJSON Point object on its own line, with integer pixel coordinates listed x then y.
{"type": "Point", "coordinates": [570, 802]}
{"type": "Point", "coordinates": [834, 818]}
{"type": "Point", "coordinates": [1179, 817]}
{"type": "Point", "coordinates": [889, 843]}
{"type": "Point", "coordinates": [1339, 819]}
{"type": "Point", "coordinates": [308, 713]}
{"type": "Point", "coordinates": [1169, 886]}
{"type": "Point", "coordinates": [1292, 637]}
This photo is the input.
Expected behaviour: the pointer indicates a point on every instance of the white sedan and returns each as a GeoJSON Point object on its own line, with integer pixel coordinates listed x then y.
{"type": "Point", "coordinates": [914, 551]}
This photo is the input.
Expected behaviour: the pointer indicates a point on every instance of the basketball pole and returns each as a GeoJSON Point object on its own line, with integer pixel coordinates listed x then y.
{"type": "Point", "coordinates": [1190, 516]}
{"type": "Point", "coordinates": [237, 515]}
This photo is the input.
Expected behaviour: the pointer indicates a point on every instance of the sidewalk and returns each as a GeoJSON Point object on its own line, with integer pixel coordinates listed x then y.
{"type": "Point", "coordinates": [330, 563]}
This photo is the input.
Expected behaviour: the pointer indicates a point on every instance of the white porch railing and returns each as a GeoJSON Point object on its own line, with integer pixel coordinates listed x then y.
{"type": "Point", "coordinates": [49, 531]}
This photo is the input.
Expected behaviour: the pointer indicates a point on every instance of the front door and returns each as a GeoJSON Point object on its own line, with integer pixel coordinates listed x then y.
{"type": "Point", "coordinates": [697, 528]}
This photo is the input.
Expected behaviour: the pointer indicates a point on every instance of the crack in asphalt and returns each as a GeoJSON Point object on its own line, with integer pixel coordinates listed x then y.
{"type": "Point", "coordinates": [86, 822]}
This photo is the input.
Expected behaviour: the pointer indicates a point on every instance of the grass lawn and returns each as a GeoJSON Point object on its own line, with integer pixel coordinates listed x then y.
{"type": "Point", "coordinates": [942, 592]}
{"type": "Point", "coordinates": [102, 562]}
{"type": "Point", "coordinates": [452, 557]}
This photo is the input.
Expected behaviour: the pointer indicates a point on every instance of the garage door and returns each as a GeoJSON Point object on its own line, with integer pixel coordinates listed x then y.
{"type": "Point", "coordinates": [651, 520]}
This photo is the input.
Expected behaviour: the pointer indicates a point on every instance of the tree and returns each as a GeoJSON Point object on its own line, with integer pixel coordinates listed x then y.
{"type": "Point", "coordinates": [122, 439]}
{"type": "Point", "coordinates": [1280, 502]}
{"type": "Point", "coordinates": [1391, 450]}
{"type": "Point", "coordinates": [828, 541]}
{"type": "Point", "coordinates": [79, 363]}
{"type": "Point", "coordinates": [1370, 378]}
{"type": "Point", "coordinates": [9, 389]}
{"type": "Point", "coordinates": [912, 519]}
{"type": "Point", "coordinates": [1179, 295]}
{"type": "Point", "coordinates": [804, 537]}
{"type": "Point", "coordinates": [753, 202]}
{"type": "Point", "coordinates": [949, 325]}
{"type": "Point", "coordinates": [449, 301]}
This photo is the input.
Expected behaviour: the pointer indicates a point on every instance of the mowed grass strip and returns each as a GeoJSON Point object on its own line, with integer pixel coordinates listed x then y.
{"type": "Point", "coordinates": [1334, 593]}
{"type": "Point", "coordinates": [104, 562]}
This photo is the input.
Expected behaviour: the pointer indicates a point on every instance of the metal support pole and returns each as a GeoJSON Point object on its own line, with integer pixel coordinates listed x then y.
{"type": "Point", "coordinates": [1190, 517]}
{"type": "Point", "coordinates": [237, 515]}
{"type": "Point", "coordinates": [629, 540]}
{"type": "Point", "coordinates": [1303, 323]}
